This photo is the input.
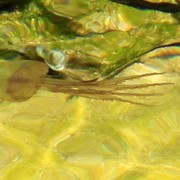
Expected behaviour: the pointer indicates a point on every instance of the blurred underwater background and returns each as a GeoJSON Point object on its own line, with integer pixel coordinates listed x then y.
{"type": "Point", "coordinates": [89, 90]}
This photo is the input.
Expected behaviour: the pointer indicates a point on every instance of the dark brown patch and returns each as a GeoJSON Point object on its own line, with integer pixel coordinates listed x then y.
{"type": "Point", "coordinates": [26, 80]}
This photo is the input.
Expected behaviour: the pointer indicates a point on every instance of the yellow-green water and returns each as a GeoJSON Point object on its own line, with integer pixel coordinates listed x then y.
{"type": "Point", "coordinates": [57, 136]}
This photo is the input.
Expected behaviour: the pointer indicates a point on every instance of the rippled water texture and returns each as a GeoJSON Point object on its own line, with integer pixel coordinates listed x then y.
{"type": "Point", "coordinates": [89, 90]}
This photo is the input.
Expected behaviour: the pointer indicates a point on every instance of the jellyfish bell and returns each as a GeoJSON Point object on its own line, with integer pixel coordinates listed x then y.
{"type": "Point", "coordinates": [55, 59]}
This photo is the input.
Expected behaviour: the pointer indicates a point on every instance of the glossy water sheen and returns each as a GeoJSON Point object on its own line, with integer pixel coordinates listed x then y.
{"type": "Point", "coordinates": [48, 131]}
